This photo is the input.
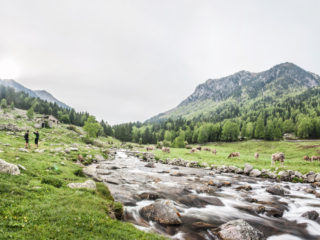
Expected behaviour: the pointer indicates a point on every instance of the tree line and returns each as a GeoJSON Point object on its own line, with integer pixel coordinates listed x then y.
{"type": "Point", "coordinates": [266, 119]}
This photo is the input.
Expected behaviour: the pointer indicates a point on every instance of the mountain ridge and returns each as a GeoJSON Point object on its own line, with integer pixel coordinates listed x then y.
{"type": "Point", "coordinates": [42, 94]}
{"type": "Point", "coordinates": [243, 86]}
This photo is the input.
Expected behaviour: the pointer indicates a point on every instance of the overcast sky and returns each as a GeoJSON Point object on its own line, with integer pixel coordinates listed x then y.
{"type": "Point", "coordinates": [128, 60]}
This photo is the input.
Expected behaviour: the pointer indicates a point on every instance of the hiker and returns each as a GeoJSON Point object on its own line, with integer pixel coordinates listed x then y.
{"type": "Point", "coordinates": [36, 140]}
{"type": "Point", "coordinates": [26, 138]}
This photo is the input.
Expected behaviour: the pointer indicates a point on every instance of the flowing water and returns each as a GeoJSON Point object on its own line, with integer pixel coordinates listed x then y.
{"type": "Point", "coordinates": [203, 207]}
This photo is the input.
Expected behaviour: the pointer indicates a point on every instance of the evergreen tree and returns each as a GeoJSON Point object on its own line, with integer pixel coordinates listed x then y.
{"type": "Point", "coordinates": [259, 131]}
{"type": "Point", "coordinates": [230, 131]}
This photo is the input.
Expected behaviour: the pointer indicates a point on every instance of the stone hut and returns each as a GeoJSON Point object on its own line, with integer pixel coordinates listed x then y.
{"type": "Point", "coordinates": [46, 121]}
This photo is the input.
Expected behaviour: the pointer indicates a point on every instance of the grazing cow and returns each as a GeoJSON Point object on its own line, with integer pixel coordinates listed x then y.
{"type": "Point", "coordinates": [214, 151]}
{"type": "Point", "coordinates": [207, 149]}
{"type": "Point", "coordinates": [149, 148]}
{"type": "Point", "coordinates": [313, 158]}
{"type": "Point", "coordinates": [193, 150]}
{"type": "Point", "coordinates": [166, 149]}
{"type": "Point", "coordinates": [234, 154]}
{"type": "Point", "coordinates": [277, 157]}
{"type": "Point", "coordinates": [307, 158]}
{"type": "Point", "coordinates": [188, 147]}
{"type": "Point", "coordinates": [256, 155]}
{"type": "Point", "coordinates": [198, 148]}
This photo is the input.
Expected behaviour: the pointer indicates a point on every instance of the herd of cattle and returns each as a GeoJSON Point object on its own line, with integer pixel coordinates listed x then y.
{"type": "Point", "coordinates": [276, 157]}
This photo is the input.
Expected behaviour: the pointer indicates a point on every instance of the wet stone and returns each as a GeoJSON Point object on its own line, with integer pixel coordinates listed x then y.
{"type": "Point", "coordinates": [312, 215]}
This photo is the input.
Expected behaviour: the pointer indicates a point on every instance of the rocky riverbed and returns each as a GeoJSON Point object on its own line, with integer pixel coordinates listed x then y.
{"type": "Point", "coordinates": [197, 203]}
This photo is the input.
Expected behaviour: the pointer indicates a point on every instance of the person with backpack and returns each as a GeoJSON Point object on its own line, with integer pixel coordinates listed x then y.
{"type": "Point", "coordinates": [26, 138]}
{"type": "Point", "coordinates": [36, 140]}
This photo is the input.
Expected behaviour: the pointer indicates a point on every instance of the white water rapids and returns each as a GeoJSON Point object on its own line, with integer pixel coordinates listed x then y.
{"type": "Point", "coordinates": [127, 178]}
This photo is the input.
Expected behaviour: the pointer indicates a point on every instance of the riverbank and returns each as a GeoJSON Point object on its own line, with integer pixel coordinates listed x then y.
{"type": "Point", "coordinates": [294, 153]}
{"type": "Point", "coordinates": [37, 202]}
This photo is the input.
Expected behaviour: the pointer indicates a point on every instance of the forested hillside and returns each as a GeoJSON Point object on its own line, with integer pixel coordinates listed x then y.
{"type": "Point", "coordinates": [284, 99]}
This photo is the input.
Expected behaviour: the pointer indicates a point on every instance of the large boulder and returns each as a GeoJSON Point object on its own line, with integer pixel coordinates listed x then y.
{"type": "Point", "coordinates": [239, 230]}
{"type": "Point", "coordinates": [161, 211]}
{"type": "Point", "coordinates": [9, 168]}
{"type": "Point", "coordinates": [89, 184]}
{"type": "Point", "coordinates": [247, 168]}
{"type": "Point", "coordinates": [275, 190]}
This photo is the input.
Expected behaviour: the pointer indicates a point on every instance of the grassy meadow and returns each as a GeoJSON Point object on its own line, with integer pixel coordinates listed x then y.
{"type": "Point", "coordinates": [37, 204]}
{"type": "Point", "coordinates": [294, 152]}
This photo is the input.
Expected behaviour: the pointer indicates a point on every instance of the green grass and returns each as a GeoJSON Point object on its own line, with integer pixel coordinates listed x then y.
{"type": "Point", "coordinates": [294, 152]}
{"type": "Point", "coordinates": [38, 204]}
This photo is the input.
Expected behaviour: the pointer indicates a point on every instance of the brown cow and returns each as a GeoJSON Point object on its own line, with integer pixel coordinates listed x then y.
{"type": "Point", "coordinates": [307, 158]}
{"type": "Point", "coordinates": [193, 150]}
{"type": "Point", "coordinates": [234, 154]}
{"type": "Point", "coordinates": [166, 149]}
{"type": "Point", "coordinates": [149, 148]}
{"type": "Point", "coordinates": [188, 147]}
{"type": "Point", "coordinates": [313, 158]}
{"type": "Point", "coordinates": [277, 157]}
{"type": "Point", "coordinates": [214, 151]}
{"type": "Point", "coordinates": [198, 148]}
{"type": "Point", "coordinates": [256, 155]}
{"type": "Point", "coordinates": [207, 149]}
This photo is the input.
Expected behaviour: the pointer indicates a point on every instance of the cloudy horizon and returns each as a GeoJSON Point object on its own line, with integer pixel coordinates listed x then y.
{"type": "Point", "coordinates": [129, 60]}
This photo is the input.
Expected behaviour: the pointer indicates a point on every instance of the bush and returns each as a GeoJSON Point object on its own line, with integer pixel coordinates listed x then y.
{"type": "Point", "coordinates": [52, 181]}
{"type": "Point", "coordinates": [118, 210]}
{"type": "Point", "coordinates": [79, 173]}
{"type": "Point", "coordinates": [87, 140]}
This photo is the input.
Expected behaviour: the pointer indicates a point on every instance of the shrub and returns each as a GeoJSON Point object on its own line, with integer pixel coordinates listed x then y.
{"type": "Point", "coordinates": [79, 173]}
{"type": "Point", "coordinates": [118, 210]}
{"type": "Point", "coordinates": [87, 140]}
{"type": "Point", "coordinates": [52, 181]}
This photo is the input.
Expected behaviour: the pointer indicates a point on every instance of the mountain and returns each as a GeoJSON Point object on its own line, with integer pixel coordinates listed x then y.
{"type": "Point", "coordinates": [42, 94]}
{"type": "Point", "coordinates": [243, 89]}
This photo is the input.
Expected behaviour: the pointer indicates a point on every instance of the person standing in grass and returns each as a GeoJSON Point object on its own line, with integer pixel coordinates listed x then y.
{"type": "Point", "coordinates": [26, 138]}
{"type": "Point", "coordinates": [36, 140]}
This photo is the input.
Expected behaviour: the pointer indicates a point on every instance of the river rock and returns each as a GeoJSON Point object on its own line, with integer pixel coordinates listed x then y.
{"type": "Point", "coordinates": [89, 184]}
{"type": "Point", "coordinates": [238, 171]}
{"type": "Point", "coordinates": [9, 168]}
{"type": "Point", "coordinates": [275, 212]}
{"type": "Point", "coordinates": [317, 178]}
{"type": "Point", "coordinates": [150, 165]}
{"type": "Point", "coordinates": [246, 187]}
{"type": "Point", "coordinates": [99, 158]}
{"type": "Point", "coordinates": [255, 173]}
{"type": "Point", "coordinates": [247, 168]}
{"type": "Point", "coordinates": [239, 230]}
{"type": "Point", "coordinates": [74, 149]}
{"type": "Point", "coordinates": [311, 177]}
{"type": "Point", "coordinates": [284, 175]}
{"type": "Point", "coordinates": [312, 215]}
{"type": "Point", "coordinates": [149, 196]}
{"type": "Point", "coordinates": [192, 164]}
{"type": "Point", "coordinates": [161, 211]}
{"type": "Point", "coordinates": [275, 190]}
